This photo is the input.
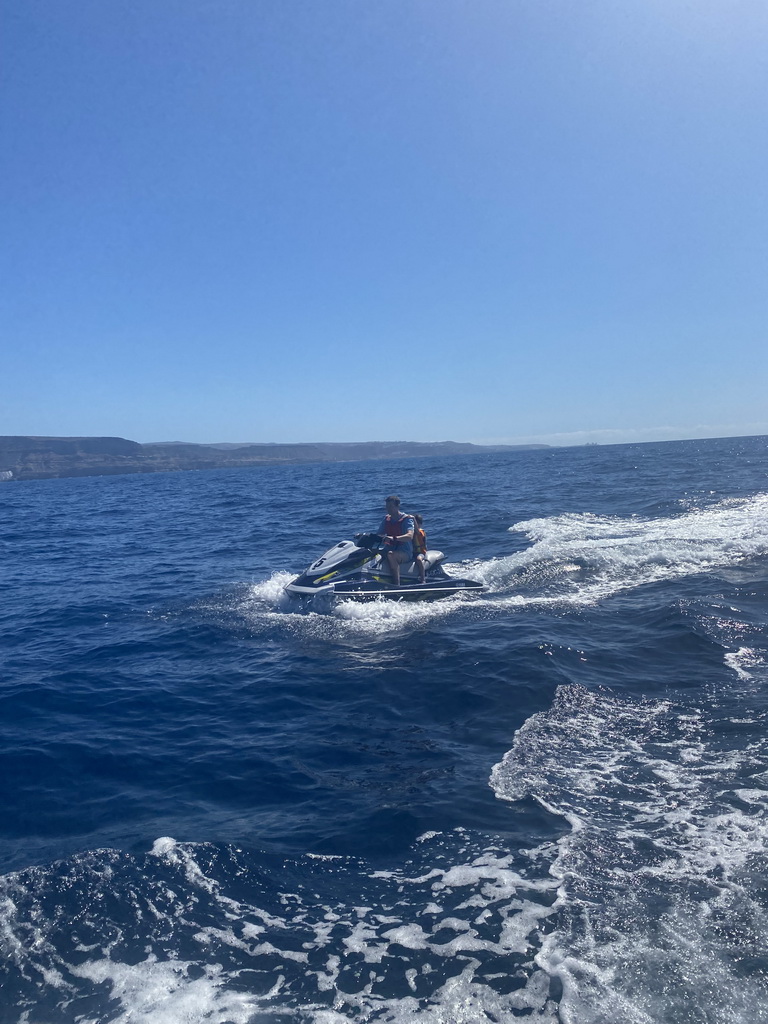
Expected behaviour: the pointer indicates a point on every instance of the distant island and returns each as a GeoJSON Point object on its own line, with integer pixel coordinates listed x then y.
{"type": "Point", "coordinates": [41, 458]}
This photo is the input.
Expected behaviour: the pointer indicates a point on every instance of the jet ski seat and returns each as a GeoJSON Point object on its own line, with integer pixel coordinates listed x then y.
{"type": "Point", "coordinates": [432, 559]}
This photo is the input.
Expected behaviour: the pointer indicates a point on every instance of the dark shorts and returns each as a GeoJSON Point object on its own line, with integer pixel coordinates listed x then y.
{"type": "Point", "coordinates": [400, 556]}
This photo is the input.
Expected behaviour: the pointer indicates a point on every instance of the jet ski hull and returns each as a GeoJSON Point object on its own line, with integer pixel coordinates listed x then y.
{"type": "Point", "coordinates": [431, 590]}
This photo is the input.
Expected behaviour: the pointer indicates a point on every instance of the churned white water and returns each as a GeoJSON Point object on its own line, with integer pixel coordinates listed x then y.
{"type": "Point", "coordinates": [657, 913]}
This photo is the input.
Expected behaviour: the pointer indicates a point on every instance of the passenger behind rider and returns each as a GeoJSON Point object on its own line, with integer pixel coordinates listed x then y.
{"type": "Point", "coordinates": [420, 546]}
{"type": "Point", "coordinates": [397, 531]}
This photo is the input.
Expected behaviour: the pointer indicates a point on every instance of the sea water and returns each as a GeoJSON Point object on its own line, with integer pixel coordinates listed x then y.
{"type": "Point", "coordinates": [547, 802]}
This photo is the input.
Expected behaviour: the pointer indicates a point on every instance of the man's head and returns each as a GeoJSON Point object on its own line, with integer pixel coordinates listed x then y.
{"type": "Point", "coordinates": [393, 504]}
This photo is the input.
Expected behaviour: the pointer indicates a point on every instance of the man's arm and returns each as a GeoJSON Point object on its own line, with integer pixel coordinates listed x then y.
{"type": "Point", "coordinates": [409, 525]}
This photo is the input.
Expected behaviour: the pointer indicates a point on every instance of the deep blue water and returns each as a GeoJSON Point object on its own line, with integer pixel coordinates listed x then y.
{"type": "Point", "coordinates": [546, 802]}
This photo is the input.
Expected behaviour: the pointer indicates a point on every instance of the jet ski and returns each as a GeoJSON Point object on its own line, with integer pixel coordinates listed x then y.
{"type": "Point", "coordinates": [358, 570]}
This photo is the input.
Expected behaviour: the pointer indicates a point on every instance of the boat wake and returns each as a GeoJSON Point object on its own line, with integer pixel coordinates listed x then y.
{"type": "Point", "coordinates": [201, 932]}
{"type": "Point", "coordinates": [583, 559]}
{"type": "Point", "coordinates": [658, 916]}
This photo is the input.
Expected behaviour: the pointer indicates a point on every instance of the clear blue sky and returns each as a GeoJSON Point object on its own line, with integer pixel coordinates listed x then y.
{"type": "Point", "coordinates": [296, 220]}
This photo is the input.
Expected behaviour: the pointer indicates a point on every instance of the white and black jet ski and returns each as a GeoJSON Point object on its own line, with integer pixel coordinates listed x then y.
{"type": "Point", "coordinates": [357, 570]}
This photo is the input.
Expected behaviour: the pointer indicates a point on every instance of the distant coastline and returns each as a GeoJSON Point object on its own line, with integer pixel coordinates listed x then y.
{"type": "Point", "coordinates": [45, 458]}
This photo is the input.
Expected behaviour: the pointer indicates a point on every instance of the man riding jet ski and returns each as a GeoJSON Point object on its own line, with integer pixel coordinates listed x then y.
{"type": "Point", "coordinates": [396, 531]}
{"type": "Point", "coordinates": [379, 565]}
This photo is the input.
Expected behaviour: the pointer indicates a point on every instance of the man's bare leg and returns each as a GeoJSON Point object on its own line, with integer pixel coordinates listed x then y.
{"type": "Point", "coordinates": [394, 567]}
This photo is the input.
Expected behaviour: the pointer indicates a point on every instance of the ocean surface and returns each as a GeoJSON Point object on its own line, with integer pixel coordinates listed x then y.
{"type": "Point", "coordinates": [546, 802]}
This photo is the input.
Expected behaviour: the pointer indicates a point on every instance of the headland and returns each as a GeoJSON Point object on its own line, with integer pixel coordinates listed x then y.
{"type": "Point", "coordinates": [41, 458]}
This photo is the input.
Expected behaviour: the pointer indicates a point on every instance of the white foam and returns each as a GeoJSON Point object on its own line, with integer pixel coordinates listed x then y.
{"type": "Point", "coordinates": [386, 613]}
{"type": "Point", "coordinates": [163, 847]}
{"type": "Point", "coordinates": [744, 662]}
{"type": "Point", "coordinates": [352, 958]}
{"type": "Point", "coordinates": [615, 553]}
{"type": "Point", "coordinates": [270, 595]}
{"type": "Point", "coordinates": [655, 899]}
{"type": "Point", "coordinates": [153, 992]}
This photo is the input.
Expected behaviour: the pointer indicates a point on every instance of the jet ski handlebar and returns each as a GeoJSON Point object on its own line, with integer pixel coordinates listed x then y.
{"type": "Point", "coordinates": [370, 541]}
